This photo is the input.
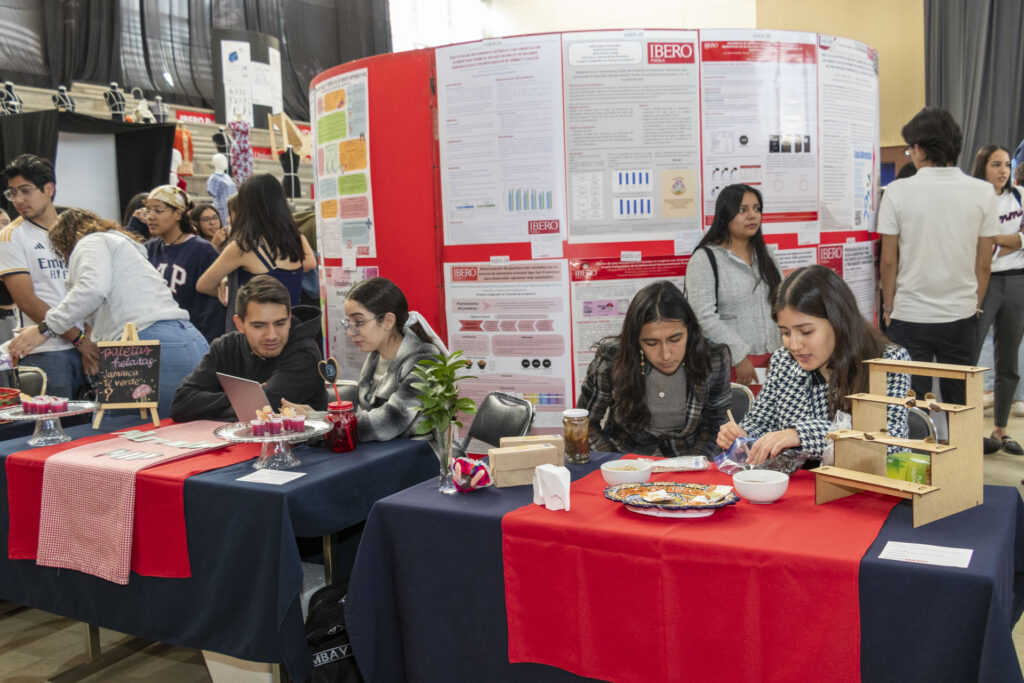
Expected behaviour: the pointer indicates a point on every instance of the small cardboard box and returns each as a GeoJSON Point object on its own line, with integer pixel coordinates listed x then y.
{"type": "Point", "coordinates": [915, 467]}
{"type": "Point", "coordinates": [514, 465]}
{"type": "Point", "coordinates": [555, 440]}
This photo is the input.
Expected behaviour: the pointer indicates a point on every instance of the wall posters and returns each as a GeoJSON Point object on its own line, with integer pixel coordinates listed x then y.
{"type": "Point", "coordinates": [341, 143]}
{"type": "Point", "coordinates": [512, 322]}
{"type": "Point", "coordinates": [500, 127]}
{"type": "Point", "coordinates": [333, 289]}
{"type": "Point", "coordinates": [601, 292]}
{"type": "Point", "coordinates": [235, 59]}
{"type": "Point", "coordinates": [632, 134]}
{"type": "Point", "coordinates": [855, 263]}
{"type": "Point", "coordinates": [759, 121]}
{"type": "Point", "coordinates": [848, 116]}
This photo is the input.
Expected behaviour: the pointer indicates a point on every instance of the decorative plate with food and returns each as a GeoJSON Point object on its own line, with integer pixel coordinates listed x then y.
{"type": "Point", "coordinates": [672, 495]}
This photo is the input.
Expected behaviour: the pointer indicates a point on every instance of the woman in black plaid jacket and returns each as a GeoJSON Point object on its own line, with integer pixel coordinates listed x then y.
{"type": "Point", "coordinates": [659, 388]}
{"type": "Point", "coordinates": [826, 341]}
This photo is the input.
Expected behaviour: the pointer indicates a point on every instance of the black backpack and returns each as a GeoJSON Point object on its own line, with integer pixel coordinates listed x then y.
{"type": "Point", "coordinates": [333, 661]}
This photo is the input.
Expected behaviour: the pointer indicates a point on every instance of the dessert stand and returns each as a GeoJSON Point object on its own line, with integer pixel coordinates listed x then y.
{"type": "Point", "coordinates": [49, 431]}
{"type": "Point", "coordinates": [276, 453]}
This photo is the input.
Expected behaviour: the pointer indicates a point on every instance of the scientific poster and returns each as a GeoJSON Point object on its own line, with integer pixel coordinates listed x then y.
{"type": "Point", "coordinates": [848, 114]}
{"type": "Point", "coordinates": [512, 322]}
{"type": "Point", "coordinates": [238, 95]}
{"type": "Point", "coordinates": [760, 121]}
{"type": "Point", "coordinates": [502, 151]}
{"type": "Point", "coordinates": [601, 292]}
{"type": "Point", "coordinates": [632, 134]}
{"type": "Point", "coordinates": [859, 273]}
{"type": "Point", "coordinates": [341, 143]}
{"type": "Point", "coordinates": [334, 286]}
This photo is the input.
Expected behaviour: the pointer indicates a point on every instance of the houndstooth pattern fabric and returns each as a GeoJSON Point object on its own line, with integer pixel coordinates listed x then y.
{"type": "Point", "coordinates": [88, 500]}
{"type": "Point", "coordinates": [793, 398]}
{"type": "Point", "coordinates": [705, 409]}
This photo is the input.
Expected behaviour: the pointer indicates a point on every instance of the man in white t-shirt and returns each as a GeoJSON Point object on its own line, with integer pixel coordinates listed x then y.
{"type": "Point", "coordinates": [35, 276]}
{"type": "Point", "coordinates": [938, 229]}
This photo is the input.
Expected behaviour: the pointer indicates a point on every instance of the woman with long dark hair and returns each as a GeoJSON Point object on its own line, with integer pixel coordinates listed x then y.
{"type": "Point", "coordinates": [181, 257]}
{"type": "Point", "coordinates": [730, 280]}
{"type": "Point", "coordinates": [825, 343]}
{"type": "Point", "coordinates": [264, 240]}
{"type": "Point", "coordinates": [1003, 306]}
{"type": "Point", "coordinates": [659, 387]}
{"type": "Point", "coordinates": [207, 220]}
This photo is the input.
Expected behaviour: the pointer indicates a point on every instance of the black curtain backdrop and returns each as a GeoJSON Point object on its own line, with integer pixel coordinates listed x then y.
{"type": "Point", "coordinates": [143, 150]}
{"type": "Point", "coordinates": [164, 47]}
{"type": "Point", "coordinates": [973, 58]}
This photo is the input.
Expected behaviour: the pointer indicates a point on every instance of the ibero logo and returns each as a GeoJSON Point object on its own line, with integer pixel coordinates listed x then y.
{"type": "Point", "coordinates": [670, 53]}
{"type": "Point", "coordinates": [464, 273]}
{"type": "Point", "coordinates": [829, 253]}
{"type": "Point", "coordinates": [548, 227]}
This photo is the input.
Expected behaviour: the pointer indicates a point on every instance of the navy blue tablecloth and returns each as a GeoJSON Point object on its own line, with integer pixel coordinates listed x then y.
{"type": "Point", "coordinates": [427, 602]}
{"type": "Point", "coordinates": [243, 596]}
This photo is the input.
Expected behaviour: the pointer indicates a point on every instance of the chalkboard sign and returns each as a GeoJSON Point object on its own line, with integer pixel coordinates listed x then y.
{"type": "Point", "coordinates": [129, 374]}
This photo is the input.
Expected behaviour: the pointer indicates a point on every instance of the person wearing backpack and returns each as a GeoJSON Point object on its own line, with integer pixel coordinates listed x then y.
{"type": "Point", "coordinates": [1003, 305]}
{"type": "Point", "coordinates": [730, 281]}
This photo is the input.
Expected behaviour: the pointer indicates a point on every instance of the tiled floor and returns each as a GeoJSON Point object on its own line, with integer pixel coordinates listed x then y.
{"type": "Point", "coordinates": [35, 645]}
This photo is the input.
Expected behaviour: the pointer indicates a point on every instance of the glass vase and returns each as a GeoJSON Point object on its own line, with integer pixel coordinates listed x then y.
{"type": "Point", "coordinates": [445, 442]}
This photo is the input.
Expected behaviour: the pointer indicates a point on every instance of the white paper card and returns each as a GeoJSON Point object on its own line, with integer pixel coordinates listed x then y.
{"type": "Point", "coordinates": [275, 477]}
{"type": "Point", "coordinates": [684, 241]}
{"type": "Point", "coordinates": [926, 554]}
{"type": "Point", "coordinates": [631, 256]}
{"type": "Point", "coordinates": [545, 246]}
{"type": "Point", "coordinates": [348, 257]}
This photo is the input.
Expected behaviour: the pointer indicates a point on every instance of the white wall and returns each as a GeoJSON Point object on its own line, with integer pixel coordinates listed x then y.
{"type": "Point", "coordinates": [86, 171]}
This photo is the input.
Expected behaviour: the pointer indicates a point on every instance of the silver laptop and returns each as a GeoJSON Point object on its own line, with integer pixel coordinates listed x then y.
{"type": "Point", "coordinates": [246, 396]}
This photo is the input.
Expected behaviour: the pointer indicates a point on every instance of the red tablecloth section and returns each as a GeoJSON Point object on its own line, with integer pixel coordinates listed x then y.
{"type": "Point", "coordinates": [159, 540]}
{"type": "Point", "coordinates": [754, 592]}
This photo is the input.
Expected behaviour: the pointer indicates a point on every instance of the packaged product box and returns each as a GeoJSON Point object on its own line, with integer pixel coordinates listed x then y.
{"type": "Point", "coordinates": [514, 465]}
{"type": "Point", "coordinates": [555, 440]}
{"type": "Point", "coordinates": [909, 466]}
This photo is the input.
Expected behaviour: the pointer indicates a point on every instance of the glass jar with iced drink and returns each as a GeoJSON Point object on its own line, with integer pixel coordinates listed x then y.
{"type": "Point", "coordinates": [577, 434]}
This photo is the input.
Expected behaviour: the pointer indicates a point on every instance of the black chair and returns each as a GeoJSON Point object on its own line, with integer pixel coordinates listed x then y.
{"type": "Point", "coordinates": [499, 415]}
{"type": "Point", "coordinates": [919, 424]}
{"type": "Point", "coordinates": [31, 380]}
{"type": "Point", "coordinates": [741, 400]}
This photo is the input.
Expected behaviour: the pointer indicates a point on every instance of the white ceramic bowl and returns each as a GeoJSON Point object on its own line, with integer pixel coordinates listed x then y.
{"type": "Point", "coordinates": [626, 471]}
{"type": "Point", "coordinates": [760, 486]}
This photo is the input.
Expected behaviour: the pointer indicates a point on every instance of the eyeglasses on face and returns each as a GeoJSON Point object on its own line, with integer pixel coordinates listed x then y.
{"type": "Point", "coordinates": [158, 211]}
{"type": "Point", "coordinates": [210, 219]}
{"type": "Point", "coordinates": [21, 191]}
{"type": "Point", "coordinates": [354, 326]}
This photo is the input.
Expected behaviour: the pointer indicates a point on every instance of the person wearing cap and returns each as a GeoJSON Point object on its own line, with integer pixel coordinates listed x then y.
{"type": "Point", "coordinates": [181, 257]}
{"type": "Point", "coordinates": [274, 345]}
{"type": "Point", "coordinates": [110, 284]}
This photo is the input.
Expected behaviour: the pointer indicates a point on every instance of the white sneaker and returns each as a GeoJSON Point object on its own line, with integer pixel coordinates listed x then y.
{"type": "Point", "coordinates": [988, 399]}
{"type": "Point", "coordinates": [1017, 409]}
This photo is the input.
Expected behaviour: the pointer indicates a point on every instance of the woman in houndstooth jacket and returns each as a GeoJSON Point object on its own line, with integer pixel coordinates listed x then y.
{"type": "Point", "coordinates": [659, 387]}
{"type": "Point", "coordinates": [825, 341]}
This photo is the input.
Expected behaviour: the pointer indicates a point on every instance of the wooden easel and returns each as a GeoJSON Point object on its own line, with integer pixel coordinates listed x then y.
{"type": "Point", "coordinates": [130, 337]}
{"type": "Point", "coordinates": [957, 468]}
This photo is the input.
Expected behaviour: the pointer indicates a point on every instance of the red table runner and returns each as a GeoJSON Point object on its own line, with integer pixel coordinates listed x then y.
{"type": "Point", "coordinates": [159, 539]}
{"type": "Point", "coordinates": [765, 592]}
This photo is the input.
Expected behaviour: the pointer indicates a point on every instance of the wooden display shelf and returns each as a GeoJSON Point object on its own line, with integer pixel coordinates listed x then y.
{"type": "Point", "coordinates": [918, 402]}
{"type": "Point", "coordinates": [880, 437]}
{"type": "Point", "coordinates": [860, 453]}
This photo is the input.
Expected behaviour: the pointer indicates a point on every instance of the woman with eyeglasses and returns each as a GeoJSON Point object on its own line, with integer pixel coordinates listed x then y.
{"type": "Point", "coordinates": [264, 240]}
{"type": "Point", "coordinates": [95, 250]}
{"type": "Point", "coordinates": [207, 219]}
{"type": "Point", "coordinates": [181, 257]}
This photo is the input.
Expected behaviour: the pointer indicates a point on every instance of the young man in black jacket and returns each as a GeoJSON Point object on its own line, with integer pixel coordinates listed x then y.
{"type": "Point", "coordinates": [275, 345]}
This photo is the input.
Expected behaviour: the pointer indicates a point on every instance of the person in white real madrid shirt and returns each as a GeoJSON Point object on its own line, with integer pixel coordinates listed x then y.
{"type": "Point", "coordinates": [35, 275]}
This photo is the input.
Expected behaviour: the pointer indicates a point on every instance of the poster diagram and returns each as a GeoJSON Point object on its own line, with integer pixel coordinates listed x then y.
{"type": "Point", "coordinates": [341, 143]}
{"type": "Point", "coordinates": [848, 116]}
{"type": "Point", "coordinates": [502, 152]}
{"type": "Point", "coordinates": [601, 292]}
{"type": "Point", "coordinates": [759, 121]}
{"type": "Point", "coordinates": [334, 287]}
{"type": "Point", "coordinates": [512, 322]}
{"type": "Point", "coordinates": [632, 134]}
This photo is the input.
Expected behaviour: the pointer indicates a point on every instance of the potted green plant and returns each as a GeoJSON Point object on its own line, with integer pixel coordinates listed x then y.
{"type": "Point", "coordinates": [439, 376]}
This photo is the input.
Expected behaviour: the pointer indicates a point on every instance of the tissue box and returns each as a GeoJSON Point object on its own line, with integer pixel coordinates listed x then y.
{"type": "Point", "coordinates": [915, 467]}
{"type": "Point", "coordinates": [514, 465]}
{"type": "Point", "coordinates": [555, 440]}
